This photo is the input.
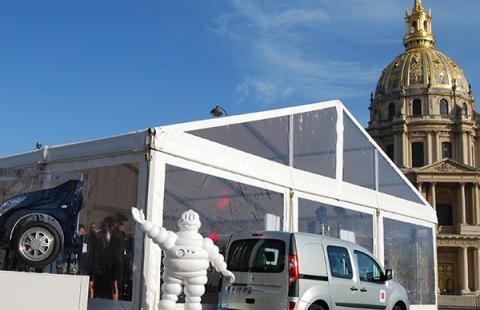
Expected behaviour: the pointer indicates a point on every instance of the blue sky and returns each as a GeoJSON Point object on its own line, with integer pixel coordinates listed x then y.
{"type": "Point", "coordinates": [80, 70]}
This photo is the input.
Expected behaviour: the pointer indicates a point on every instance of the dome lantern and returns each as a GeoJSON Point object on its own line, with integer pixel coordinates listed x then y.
{"type": "Point", "coordinates": [419, 28]}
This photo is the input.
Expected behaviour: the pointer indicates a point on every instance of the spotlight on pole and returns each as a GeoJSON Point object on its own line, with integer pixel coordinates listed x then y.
{"type": "Point", "coordinates": [218, 111]}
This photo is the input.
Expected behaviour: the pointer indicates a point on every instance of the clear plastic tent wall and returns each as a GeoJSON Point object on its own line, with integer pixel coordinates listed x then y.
{"type": "Point", "coordinates": [310, 168]}
{"type": "Point", "coordinates": [35, 188]}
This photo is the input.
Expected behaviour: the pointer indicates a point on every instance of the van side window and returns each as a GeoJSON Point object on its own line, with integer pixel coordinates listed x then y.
{"type": "Point", "coordinates": [339, 260]}
{"type": "Point", "coordinates": [368, 269]}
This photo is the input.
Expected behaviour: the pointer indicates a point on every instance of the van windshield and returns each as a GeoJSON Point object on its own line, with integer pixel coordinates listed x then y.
{"type": "Point", "coordinates": [257, 255]}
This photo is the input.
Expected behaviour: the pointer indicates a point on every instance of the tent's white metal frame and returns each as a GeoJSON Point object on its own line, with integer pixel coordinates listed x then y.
{"type": "Point", "coordinates": [171, 145]}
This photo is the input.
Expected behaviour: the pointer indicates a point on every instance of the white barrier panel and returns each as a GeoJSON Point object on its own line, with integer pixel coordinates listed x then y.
{"type": "Point", "coordinates": [42, 291]}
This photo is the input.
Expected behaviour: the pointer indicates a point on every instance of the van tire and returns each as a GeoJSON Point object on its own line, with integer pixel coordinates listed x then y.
{"type": "Point", "coordinates": [397, 307]}
{"type": "Point", "coordinates": [318, 307]}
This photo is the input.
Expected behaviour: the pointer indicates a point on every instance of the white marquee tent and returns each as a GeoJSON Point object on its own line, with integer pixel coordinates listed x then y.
{"type": "Point", "coordinates": [309, 168]}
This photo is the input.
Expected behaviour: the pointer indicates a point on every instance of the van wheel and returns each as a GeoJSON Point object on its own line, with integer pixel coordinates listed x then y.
{"type": "Point", "coordinates": [319, 307]}
{"type": "Point", "coordinates": [37, 244]}
{"type": "Point", "coordinates": [397, 307]}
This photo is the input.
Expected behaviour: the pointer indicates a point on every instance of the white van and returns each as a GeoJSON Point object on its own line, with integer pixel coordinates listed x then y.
{"type": "Point", "coordinates": [282, 270]}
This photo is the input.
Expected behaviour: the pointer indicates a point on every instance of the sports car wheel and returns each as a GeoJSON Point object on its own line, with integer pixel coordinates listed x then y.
{"type": "Point", "coordinates": [37, 244]}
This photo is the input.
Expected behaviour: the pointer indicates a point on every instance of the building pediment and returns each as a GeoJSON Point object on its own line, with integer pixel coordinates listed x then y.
{"type": "Point", "coordinates": [448, 166]}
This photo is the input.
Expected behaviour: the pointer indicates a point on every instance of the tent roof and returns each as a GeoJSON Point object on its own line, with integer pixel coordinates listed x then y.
{"type": "Point", "coordinates": [316, 148]}
{"type": "Point", "coordinates": [122, 144]}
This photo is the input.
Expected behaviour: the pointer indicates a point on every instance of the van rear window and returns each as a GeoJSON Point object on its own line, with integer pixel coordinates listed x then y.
{"type": "Point", "coordinates": [257, 255]}
{"type": "Point", "coordinates": [239, 254]}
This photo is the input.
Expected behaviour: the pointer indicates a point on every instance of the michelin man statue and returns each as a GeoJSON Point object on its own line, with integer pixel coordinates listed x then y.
{"type": "Point", "coordinates": [187, 258]}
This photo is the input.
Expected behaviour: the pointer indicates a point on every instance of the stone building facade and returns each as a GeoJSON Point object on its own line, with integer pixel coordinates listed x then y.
{"type": "Point", "coordinates": [423, 115]}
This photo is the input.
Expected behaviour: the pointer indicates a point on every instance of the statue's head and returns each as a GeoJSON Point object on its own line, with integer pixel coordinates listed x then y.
{"type": "Point", "coordinates": [189, 221]}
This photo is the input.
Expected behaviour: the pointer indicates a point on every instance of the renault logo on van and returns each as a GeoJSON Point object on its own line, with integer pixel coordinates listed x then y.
{"type": "Point", "coordinates": [251, 278]}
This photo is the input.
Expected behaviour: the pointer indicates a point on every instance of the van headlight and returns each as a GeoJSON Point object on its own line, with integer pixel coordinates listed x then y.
{"type": "Point", "coordinates": [10, 203]}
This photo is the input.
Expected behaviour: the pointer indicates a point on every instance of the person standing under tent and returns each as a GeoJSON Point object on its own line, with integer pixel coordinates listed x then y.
{"type": "Point", "coordinates": [92, 240]}
{"type": "Point", "coordinates": [115, 252]}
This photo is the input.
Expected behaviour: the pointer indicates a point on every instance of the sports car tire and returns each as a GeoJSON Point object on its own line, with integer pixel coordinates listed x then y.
{"type": "Point", "coordinates": [36, 244]}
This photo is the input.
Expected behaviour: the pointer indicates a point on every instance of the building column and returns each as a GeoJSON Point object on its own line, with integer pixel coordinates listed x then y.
{"type": "Point", "coordinates": [436, 148]}
{"type": "Point", "coordinates": [476, 205]}
{"type": "Point", "coordinates": [429, 147]}
{"type": "Point", "coordinates": [404, 157]}
{"type": "Point", "coordinates": [469, 150]}
{"type": "Point", "coordinates": [433, 196]}
{"type": "Point", "coordinates": [463, 270]}
{"type": "Point", "coordinates": [463, 148]}
{"type": "Point", "coordinates": [476, 148]}
{"type": "Point", "coordinates": [419, 188]}
{"type": "Point", "coordinates": [462, 219]}
{"type": "Point", "coordinates": [477, 270]}
{"type": "Point", "coordinates": [459, 146]}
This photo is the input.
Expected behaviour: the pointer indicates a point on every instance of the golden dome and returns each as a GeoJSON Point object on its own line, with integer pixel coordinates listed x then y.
{"type": "Point", "coordinates": [421, 66]}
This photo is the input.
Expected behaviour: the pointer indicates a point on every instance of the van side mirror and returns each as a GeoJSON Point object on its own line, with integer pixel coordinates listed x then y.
{"type": "Point", "coordinates": [388, 274]}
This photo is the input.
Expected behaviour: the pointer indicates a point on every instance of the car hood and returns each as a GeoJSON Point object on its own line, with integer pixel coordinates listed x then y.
{"type": "Point", "coordinates": [46, 195]}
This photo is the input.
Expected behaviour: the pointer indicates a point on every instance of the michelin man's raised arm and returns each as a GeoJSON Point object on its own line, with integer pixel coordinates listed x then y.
{"type": "Point", "coordinates": [159, 235]}
{"type": "Point", "coordinates": [216, 259]}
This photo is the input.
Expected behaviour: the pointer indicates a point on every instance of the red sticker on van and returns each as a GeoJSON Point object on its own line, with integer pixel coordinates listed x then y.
{"type": "Point", "coordinates": [382, 296]}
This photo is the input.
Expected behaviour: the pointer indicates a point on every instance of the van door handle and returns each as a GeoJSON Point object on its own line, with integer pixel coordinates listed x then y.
{"type": "Point", "coordinates": [363, 290]}
{"type": "Point", "coordinates": [353, 288]}
{"type": "Point", "coordinates": [250, 300]}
